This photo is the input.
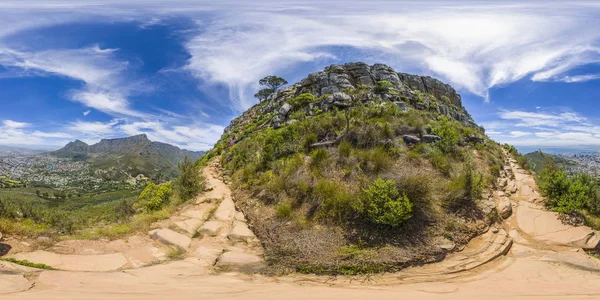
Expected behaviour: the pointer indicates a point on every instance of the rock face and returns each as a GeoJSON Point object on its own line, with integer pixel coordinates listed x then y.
{"type": "Point", "coordinates": [332, 83]}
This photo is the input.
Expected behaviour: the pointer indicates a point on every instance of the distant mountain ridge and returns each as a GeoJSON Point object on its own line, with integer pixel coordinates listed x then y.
{"type": "Point", "coordinates": [137, 153]}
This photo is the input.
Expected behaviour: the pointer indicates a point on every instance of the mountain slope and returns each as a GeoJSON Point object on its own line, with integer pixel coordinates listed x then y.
{"type": "Point", "coordinates": [537, 160]}
{"type": "Point", "coordinates": [360, 168]}
{"type": "Point", "coordinates": [134, 155]}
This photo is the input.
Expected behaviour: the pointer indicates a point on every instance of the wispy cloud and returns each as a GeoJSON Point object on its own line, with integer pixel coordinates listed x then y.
{"type": "Point", "coordinates": [545, 129]}
{"type": "Point", "coordinates": [475, 47]}
{"type": "Point", "coordinates": [22, 133]}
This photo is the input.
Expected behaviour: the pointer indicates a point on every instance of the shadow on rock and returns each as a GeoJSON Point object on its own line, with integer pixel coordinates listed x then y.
{"type": "Point", "coordinates": [4, 249]}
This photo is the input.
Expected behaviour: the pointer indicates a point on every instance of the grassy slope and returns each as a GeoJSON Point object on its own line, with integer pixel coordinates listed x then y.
{"type": "Point", "coordinates": [305, 204]}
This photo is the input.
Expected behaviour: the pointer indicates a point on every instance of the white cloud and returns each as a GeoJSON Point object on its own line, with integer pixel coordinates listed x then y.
{"type": "Point", "coordinates": [9, 124]}
{"type": "Point", "coordinates": [94, 129]}
{"type": "Point", "coordinates": [546, 129]}
{"type": "Point", "coordinates": [519, 133]}
{"type": "Point", "coordinates": [474, 46]}
{"type": "Point", "coordinates": [580, 78]}
{"type": "Point", "coordinates": [21, 133]}
{"type": "Point", "coordinates": [471, 45]}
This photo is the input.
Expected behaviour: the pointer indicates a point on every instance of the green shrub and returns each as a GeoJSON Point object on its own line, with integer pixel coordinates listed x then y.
{"type": "Point", "coordinates": [336, 204]}
{"type": "Point", "coordinates": [317, 157]}
{"type": "Point", "coordinates": [383, 87]}
{"type": "Point", "coordinates": [464, 188]}
{"type": "Point", "coordinates": [385, 205]}
{"type": "Point", "coordinates": [190, 182]}
{"type": "Point", "coordinates": [567, 194]}
{"type": "Point", "coordinates": [447, 130]}
{"type": "Point", "coordinates": [154, 196]}
{"type": "Point", "coordinates": [284, 210]}
{"type": "Point", "coordinates": [344, 149]}
{"type": "Point", "coordinates": [302, 100]}
{"type": "Point", "coordinates": [310, 139]}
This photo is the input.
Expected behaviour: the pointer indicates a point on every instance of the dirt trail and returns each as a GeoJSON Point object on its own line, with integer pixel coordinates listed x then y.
{"type": "Point", "coordinates": [517, 259]}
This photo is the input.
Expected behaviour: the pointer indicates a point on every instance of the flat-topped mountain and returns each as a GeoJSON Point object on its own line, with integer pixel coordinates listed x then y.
{"type": "Point", "coordinates": [359, 168]}
{"type": "Point", "coordinates": [136, 153]}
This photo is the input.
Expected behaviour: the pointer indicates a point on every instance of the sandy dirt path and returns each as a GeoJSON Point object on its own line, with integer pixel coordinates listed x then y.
{"type": "Point", "coordinates": [543, 260]}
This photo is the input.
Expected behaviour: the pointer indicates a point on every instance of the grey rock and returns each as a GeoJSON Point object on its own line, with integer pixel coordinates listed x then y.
{"type": "Point", "coordinates": [284, 109]}
{"type": "Point", "coordinates": [402, 106]}
{"type": "Point", "coordinates": [411, 139]}
{"type": "Point", "coordinates": [430, 138]}
{"type": "Point", "coordinates": [277, 121]}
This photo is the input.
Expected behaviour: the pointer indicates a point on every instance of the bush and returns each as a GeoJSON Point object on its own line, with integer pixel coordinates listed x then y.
{"type": "Point", "coordinates": [465, 188]}
{"type": "Point", "coordinates": [190, 182]}
{"type": "Point", "coordinates": [154, 196]}
{"type": "Point", "coordinates": [284, 211]}
{"type": "Point", "coordinates": [385, 205]}
{"type": "Point", "coordinates": [447, 130]}
{"type": "Point", "coordinates": [344, 149]}
{"type": "Point", "coordinates": [383, 87]}
{"type": "Point", "coordinates": [317, 157]}
{"type": "Point", "coordinates": [567, 194]}
{"type": "Point", "coordinates": [336, 204]}
{"type": "Point", "coordinates": [302, 100]}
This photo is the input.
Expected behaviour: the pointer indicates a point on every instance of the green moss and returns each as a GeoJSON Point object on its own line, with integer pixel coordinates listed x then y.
{"type": "Point", "coordinates": [27, 263]}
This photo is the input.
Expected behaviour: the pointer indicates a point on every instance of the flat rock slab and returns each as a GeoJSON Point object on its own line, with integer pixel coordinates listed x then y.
{"type": "Point", "coordinates": [196, 213]}
{"type": "Point", "coordinates": [211, 228]}
{"type": "Point", "coordinates": [143, 256]}
{"type": "Point", "coordinates": [189, 225]}
{"type": "Point", "coordinates": [13, 283]}
{"type": "Point", "coordinates": [238, 259]}
{"type": "Point", "coordinates": [93, 263]}
{"type": "Point", "coordinates": [240, 233]}
{"type": "Point", "coordinates": [172, 238]}
{"type": "Point", "coordinates": [226, 210]}
{"type": "Point", "coordinates": [207, 256]}
{"type": "Point", "coordinates": [544, 226]}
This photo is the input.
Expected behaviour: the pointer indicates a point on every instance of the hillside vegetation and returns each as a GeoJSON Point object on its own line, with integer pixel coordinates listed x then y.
{"type": "Point", "coordinates": [122, 158]}
{"type": "Point", "coordinates": [359, 169]}
{"type": "Point", "coordinates": [29, 212]}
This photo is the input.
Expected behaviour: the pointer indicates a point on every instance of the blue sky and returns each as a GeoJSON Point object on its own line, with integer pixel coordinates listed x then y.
{"type": "Point", "coordinates": [179, 71]}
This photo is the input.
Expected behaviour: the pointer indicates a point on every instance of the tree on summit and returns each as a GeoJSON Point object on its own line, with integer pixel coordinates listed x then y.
{"type": "Point", "coordinates": [263, 94]}
{"type": "Point", "coordinates": [272, 84]}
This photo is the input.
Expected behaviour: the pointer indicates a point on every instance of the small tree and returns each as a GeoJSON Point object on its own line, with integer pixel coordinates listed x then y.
{"type": "Point", "coordinates": [190, 182]}
{"type": "Point", "coordinates": [356, 95]}
{"type": "Point", "coordinates": [273, 82]}
{"type": "Point", "coordinates": [263, 94]}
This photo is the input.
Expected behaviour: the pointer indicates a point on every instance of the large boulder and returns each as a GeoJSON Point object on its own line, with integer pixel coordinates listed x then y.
{"type": "Point", "coordinates": [411, 139]}
{"type": "Point", "coordinates": [284, 109]}
{"type": "Point", "coordinates": [430, 138]}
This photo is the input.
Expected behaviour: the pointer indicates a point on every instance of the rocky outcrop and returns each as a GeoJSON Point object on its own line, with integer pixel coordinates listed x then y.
{"type": "Point", "coordinates": [331, 84]}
